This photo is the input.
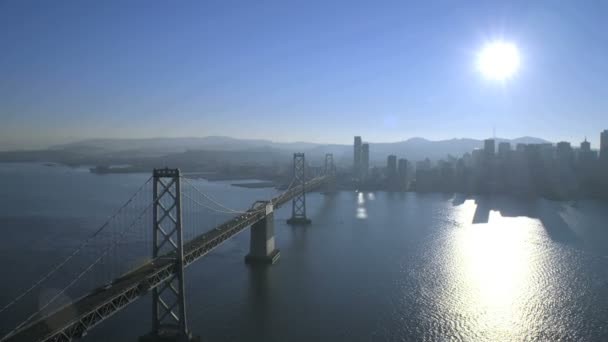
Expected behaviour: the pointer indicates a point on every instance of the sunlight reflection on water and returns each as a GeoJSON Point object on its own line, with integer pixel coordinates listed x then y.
{"type": "Point", "coordinates": [361, 210]}
{"type": "Point", "coordinates": [492, 264]}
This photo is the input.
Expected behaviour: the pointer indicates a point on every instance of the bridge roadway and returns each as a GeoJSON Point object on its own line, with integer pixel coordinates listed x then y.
{"type": "Point", "coordinates": [76, 318]}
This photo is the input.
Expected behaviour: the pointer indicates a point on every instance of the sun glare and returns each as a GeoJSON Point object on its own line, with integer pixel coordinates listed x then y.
{"type": "Point", "coordinates": [498, 60]}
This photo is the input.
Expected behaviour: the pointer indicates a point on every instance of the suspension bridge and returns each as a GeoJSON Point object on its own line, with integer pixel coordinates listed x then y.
{"type": "Point", "coordinates": [180, 224]}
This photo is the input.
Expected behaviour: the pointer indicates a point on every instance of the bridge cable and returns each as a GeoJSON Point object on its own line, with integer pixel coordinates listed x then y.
{"type": "Point", "coordinates": [230, 210]}
{"type": "Point", "coordinates": [210, 198]}
{"type": "Point", "coordinates": [78, 250]}
{"type": "Point", "coordinates": [79, 276]}
{"type": "Point", "coordinates": [211, 208]}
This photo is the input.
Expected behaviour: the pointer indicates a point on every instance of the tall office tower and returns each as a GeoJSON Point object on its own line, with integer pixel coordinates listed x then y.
{"type": "Point", "coordinates": [489, 148]}
{"type": "Point", "coordinates": [585, 155]}
{"type": "Point", "coordinates": [604, 145]}
{"type": "Point", "coordinates": [585, 146]}
{"type": "Point", "coordinates": [357, 157]}
{"type": "Point", "coordinates": [402, 173]}
{"type": "Point", "coordinates": [364, 161]}
{"type": "Point", "coordinates": [564, 152]}
{"type": "Point", "coordinates": [391, 173]}
{"type": "Point", "coordinates": [503, 150]}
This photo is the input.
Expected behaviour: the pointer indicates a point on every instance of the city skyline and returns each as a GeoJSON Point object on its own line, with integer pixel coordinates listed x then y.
{"type": "Point", "coordinates": [489, 149]}
{"type": "Point", "coordinates": [128, 70]}
{"type": "Point", "coordinates": [588, 139]}
{"type": "Point", "coordinates": [557, 171]}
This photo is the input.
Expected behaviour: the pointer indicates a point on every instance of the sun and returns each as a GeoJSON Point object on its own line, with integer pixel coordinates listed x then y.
{"type": "Point", "coordinates": [498, 60]}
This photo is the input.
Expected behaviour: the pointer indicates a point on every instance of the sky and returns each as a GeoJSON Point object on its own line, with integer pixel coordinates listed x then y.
{"type": "Point", "coordinates": [317, 71]}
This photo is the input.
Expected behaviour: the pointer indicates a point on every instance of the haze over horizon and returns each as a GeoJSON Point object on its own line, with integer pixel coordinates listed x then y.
{"type": "Point", "coordinates": [8, 147]}
{"type": "Point", "coordinates": [315, 72]}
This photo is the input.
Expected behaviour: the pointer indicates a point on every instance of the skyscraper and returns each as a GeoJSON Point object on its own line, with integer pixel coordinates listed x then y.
{"type": "Point", "coordinates": [503, 150]}
{"type": "Point", "coordinates": [357, 156]}
{"type": "Point", "coordinates": [402, 174]}
{"type": "Point", "coordinates": [564, 152]}
{"type": "Point", "coordinates": [604, 145]}
{"type": "Point", "coordinates": [391, 173]}
{"type": "Point", "coordinates": [585, 146]}
{"type": "Point", "coordinates": [489, 148]}
{"type": "Point", "coordinates": [585, 155]}
{"type": "Point", "coordinates": [363, 172]}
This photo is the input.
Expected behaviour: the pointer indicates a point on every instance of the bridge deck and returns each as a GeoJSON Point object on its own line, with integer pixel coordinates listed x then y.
{"type": "Point", "coordinates": [76, 318]}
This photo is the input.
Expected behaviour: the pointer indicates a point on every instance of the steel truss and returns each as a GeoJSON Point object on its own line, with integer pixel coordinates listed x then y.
{"type": "Point", "coordinates": [298, 204]}
{"type": "Point", "coordinates": [168, 299]}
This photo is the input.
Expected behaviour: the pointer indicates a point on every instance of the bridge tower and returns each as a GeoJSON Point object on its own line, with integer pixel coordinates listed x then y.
{"type": "Point", "coordinates": [168, 298]}
{"type": "Point", "coordinates": [298, 204]}
{"type": "Point", "coordinates": [330, 172]}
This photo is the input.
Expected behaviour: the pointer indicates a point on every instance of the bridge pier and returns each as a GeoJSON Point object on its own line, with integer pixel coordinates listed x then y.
{"type": "Point", "coordinates": [261, 244]}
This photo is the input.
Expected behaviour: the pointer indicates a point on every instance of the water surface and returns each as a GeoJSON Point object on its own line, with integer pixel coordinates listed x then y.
{"type": "Point", "coordinates": [372, 266]}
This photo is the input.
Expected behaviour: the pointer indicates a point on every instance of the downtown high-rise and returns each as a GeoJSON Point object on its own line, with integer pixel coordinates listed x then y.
{"type": "Point", "coordinates": [604, 145]}
{"type": "Point", "coordinates": [360, 159]}
{"type": "Point", "coordinates": [357, 156]}
{"type": "Point", "coordinates": [364, 168]}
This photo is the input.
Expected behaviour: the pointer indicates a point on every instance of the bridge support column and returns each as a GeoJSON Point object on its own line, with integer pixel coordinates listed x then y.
{"type": "Point", "coordinates": [298, 204]}
{"type": "Point", "coordinates": [168, 298]}
{"type": "Point", "coordinates": [261, 244]}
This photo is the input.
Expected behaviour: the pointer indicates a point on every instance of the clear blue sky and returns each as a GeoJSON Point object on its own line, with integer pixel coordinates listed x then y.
{"type": "Point", "coordinates": [298, 70]}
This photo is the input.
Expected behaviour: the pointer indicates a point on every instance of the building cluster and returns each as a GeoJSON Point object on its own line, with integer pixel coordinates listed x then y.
{"type": "Point", "coordinates": [554, 171]}
{"type": "Point", "coordinates": [393, 178]}
{"type": "Point", "coordinates": [396, 174]}
{"type": "Point", "coordinates": [551, 170]}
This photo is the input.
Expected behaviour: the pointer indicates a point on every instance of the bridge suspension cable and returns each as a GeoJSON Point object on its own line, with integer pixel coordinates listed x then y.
{"type": "Point", "coordinates": [86, 270]}
{"type": "Point", "coordinates": [230, 210]}
{"type": "Point", "coordinates": [211, 208]}
{"type": "Point", "coordinates": [226, 210]}
{"type": "Point", "coordinates": [84, 244]}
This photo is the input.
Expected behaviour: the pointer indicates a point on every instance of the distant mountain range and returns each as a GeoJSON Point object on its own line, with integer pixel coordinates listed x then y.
{"type": "Point", "coordinates": [174, 145]}
{"type": "Point", "coordinates": [412, 149]}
